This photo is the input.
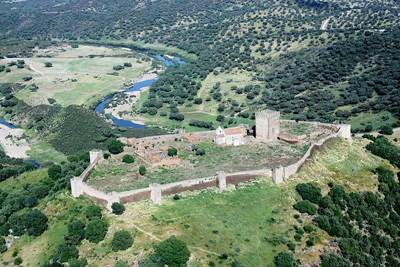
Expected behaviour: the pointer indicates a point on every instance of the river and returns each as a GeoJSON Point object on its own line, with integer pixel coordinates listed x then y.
{"type": "Point", "coordinates": [167, 61]}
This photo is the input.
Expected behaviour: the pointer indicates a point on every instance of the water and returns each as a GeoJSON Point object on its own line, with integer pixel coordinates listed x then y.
{"type": "Point", "coordinates": [168, 62]}
{"type": "Point", "coordinates": [8, 124]}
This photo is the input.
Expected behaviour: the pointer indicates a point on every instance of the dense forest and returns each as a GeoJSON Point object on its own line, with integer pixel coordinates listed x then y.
{"type": "Point", "coordinates": [317, 60]}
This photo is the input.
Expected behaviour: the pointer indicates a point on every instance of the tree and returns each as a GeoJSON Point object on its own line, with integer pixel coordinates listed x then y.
{"type": "Point", "coordinates": [285, 259]}
{"type": "Point", "coordinates": [93, 212]}
{"type": "Point", "coordinates": [3, 247]}
{"type": "Point", "coordinates": [65, 252]}
{"type": "Point", "coordinates": [115, 147]}
{"type": "Point", "coordinates": [128, 159]}
{"type": "Point", "coordinates": [387, 130]}
{"type": "Point", "coordinates": [142, 170]}
{"type": "Point", "coordinates": [122, 240]}
{"type": "Point", "coordinates": [172, 252]}
{"type": "Point", "coordinates": [121, 263]}
{"type": "Point", "coordinates": [96, 230]}
{"type": "Point", "coordinates": [172, 151]}
{"type": "Point", "coordinates": [76, 232]}
{"type": "Point", "coordinates": [332, 260]}
{"type": "Point", "coordinates": [305, 206]}
{"type": "Point", "coordinates": [35, 222]}
{"type": "Point", "coordinates": [117, 208]}
{"type": "Point", "coordinates": [48, 64]}
{"type": "Point", "coordinates": [54, 171]}
{"type": "Point", "coordinates": [309, 192]}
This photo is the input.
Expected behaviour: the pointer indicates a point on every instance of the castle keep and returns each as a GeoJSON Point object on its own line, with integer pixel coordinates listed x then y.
{"type": "Point", "coordinates": [267, 125]}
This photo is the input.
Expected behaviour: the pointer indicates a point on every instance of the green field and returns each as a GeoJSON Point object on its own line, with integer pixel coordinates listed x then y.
{"type": "Point", "coordinates": [79, 76]}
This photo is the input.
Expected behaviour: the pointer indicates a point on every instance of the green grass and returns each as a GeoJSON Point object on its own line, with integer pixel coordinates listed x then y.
{"type": "Point", "coordinates": [43, 152]}
{"type": "Point", "coordinates": [237, 223]}
{"type": "Point", "coordinates": [26, 178]}
{"type": "Point", "coordinates": [376, 120]}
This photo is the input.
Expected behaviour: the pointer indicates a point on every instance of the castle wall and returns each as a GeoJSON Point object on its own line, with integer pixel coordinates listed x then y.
{"type": "Point", "coordinates": [156, 191]}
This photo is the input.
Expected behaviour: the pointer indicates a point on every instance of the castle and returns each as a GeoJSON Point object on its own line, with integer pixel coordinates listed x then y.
{"type": "Point", "coordinates": [267, 129]}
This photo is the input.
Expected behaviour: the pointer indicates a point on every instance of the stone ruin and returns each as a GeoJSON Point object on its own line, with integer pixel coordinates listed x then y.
{"type": "Point", "coordinates": [267, 125]}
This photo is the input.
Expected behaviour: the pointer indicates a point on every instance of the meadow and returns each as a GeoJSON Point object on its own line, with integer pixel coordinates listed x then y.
{"type": "Point", "coordinates": [78, 76]}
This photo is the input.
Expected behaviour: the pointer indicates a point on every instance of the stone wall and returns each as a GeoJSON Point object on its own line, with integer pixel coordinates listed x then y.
{"type": "Point", "coordinates": [220, 180]}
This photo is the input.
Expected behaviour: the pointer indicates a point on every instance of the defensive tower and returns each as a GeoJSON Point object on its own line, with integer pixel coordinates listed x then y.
{"type": "Point", "coordinates": [267, 125]}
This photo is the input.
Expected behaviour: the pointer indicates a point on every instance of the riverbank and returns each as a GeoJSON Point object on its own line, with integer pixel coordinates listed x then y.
{"type": "Point", "coordinates": [13, 143]}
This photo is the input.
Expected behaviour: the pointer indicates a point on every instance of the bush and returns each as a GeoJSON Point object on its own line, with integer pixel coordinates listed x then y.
{"type": "Point", "coordinates": [77, 263]}
{"type": "Point", "coordinates": [3, 247]}
{"type": "Point", "coordinates": [309, 192]}
{"type": "Point", "coordinates": [305, 206]}
{"type": "Point", "coordinates": [121, 263]}
{"type": "Point", "coordinates": [172, 151]}
{"type": "Point", "coordinates": [387, 130]}
{"type": "Point", "coordinates": [172, 252]}
{"type": "Point", "coordinates": [17, 261]}
{"type": "Point", "coordinates": [93, 212]}
{"type": "Point", "coordinates": [128, 159]}
{"type": "Point", "coordinates": [285, 259]}
{"type": "Point", "coordinates": [117, 208]}
{"type": "Point", "coordinates": [96, 230]}
{"type": "Point", "coordinates": [200, 152]}
{"type": "Point", "coordinates": [54, 171]}
{"type": "Point", "coordinates": [76, 232]}
{"type": "Point", "coordinates": [176, 116]}
{"type": "Point", "coordinates": [122, 240]}
{"type": "Point", "coordinates": [48, 64]}
{"type": "Point", "coordinates": [64, 253]}
{"type": "Point", "coordinates": [142, 170]}
{"type": "Point", "coordinates": [106, 155]}
{"type": "Point", "coordinates": [35, 222]}
{"type": "Point", "coordinates": [115, 147]}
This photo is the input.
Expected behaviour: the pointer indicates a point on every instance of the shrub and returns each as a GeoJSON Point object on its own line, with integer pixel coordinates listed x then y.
{"type": "Point", "coordinates": [76, 232]}
{"type": "Point", "coordinates": [305, 206]}
{"type": "Point", "coordinates": [35, 222]}
{"type": "Point", "coordinates": [121, 263]}
{"type": "Point", "coordinates": [387, 130]}
{"type": "Point", "coordinates": [172, 151]}
{"type": "Point", "coordinates": [96, 230]}
{"type": "Point", "coordinates": [93, 212]}
{"type": "Point", "coordinates": [115, 147]}
{"type": "Point", "coordinates": [77, 263]}
{"type": "Point", "coordinates": [64, 253]}
{"type": "Point", "coordinates": [172, 252]}
{"type": "Point", "coordinates": [17, 261]}
{"type": "Point", "coordinates": [142, 170]}
{"type": "Point", "coordinates": [3, 247]}
{"type": "Point", "coordinates": [122, 240]}
{"type": "Point", "coordinates": [200, 152]}
{"type": "Point", "coordinates": [127, 64]}
{"type": "Point", "coordinates": [285, 259]}
{"type": "Point", "coordinates": [309, 192]}
{"type": "Point", "coordinates": [106, 155]}
{"type": "Point", "coordinates": [117, 208]}
{"type": "Point", "coordinates": [128, 159]}
{"type": "Point", "coordinates": [54, 171]}
{"type": "Point", "coordinates": [176, 116]}
{"type": "Point", "coordinates": [309, 228]}
{"type": "Point", "coordinates": [48, 64]}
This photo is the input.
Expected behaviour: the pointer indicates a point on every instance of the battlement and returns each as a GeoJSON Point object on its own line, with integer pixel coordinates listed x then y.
{"type": "Point", "coordinates": [268, 114]}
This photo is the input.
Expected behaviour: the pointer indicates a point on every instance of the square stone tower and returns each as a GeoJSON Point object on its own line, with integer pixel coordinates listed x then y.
{"type": "Point", "coordinates": [267, 125]}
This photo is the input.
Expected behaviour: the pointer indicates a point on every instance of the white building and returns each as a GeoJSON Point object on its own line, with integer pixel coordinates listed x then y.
{"type": "Point", "coordinates": [230, 136]}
